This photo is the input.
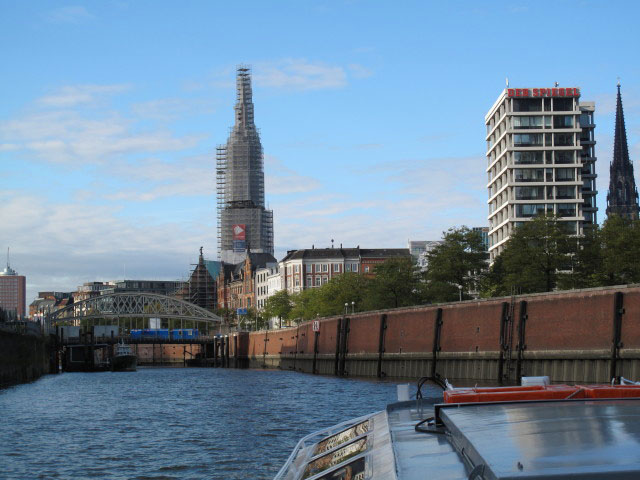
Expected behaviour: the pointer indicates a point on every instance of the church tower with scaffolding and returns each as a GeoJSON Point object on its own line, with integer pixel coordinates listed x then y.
{"type": "Point", "coordinates": [622, 198]}
{"type": "Point", "coordinates": [244, 224]}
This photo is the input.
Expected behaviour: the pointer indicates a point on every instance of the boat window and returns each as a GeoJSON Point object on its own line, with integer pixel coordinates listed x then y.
{"type": "Point", "coordinates": [340, 438]}
{"type": "Point", "coordinates": [353, 470]}
{"type": "Point", "coordinates": [335, 458]}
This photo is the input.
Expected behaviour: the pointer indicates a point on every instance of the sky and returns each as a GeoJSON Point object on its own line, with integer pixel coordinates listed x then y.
{"type": "Point", "coordinates": [371, 116]}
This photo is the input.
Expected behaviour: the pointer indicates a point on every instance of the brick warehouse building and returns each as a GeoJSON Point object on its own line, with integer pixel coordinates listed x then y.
{"type": "Point", "coordinates": [314, 267]}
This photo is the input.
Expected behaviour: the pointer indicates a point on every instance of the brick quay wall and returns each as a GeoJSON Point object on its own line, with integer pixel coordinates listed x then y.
{"type": "Point", "coordinates": [571, 336]}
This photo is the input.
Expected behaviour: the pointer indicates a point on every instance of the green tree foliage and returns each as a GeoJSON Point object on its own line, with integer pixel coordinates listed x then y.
{"type": "Point", "coordinates": [278, 305]}
{"type": "Point", "coordinates": [458, 261]}
{"type": "Point", "coordinates": [533, 257]}
{"type": "Point", "coordinates": [396, 284]}
{"type": "Point", "coordinates": [620, 244]}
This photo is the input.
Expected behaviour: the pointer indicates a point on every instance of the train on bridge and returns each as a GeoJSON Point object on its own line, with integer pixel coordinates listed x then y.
{"type": "Point", "coordinates": [164, 334]}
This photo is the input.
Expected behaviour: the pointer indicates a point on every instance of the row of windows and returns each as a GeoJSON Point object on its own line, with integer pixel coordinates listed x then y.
{"type": "Point", "coordinates": [539, 157]}
{"type": "Point", "coordinates": [550, 139]}
{"type": "Point", "coordinates": [323, 268]}
{"type": "Point", "coordinates": [533, 209]}
{"type": "Point", "coordinates": [545, 174]}
{"type": "Point", "coordinates": [540, 104]}
{"type": "Point", "coordinates": [562, 192]}
{"type": "Point", "coordinates": [539, 121]}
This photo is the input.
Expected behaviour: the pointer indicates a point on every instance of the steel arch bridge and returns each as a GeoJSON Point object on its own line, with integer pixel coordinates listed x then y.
{"type": "Point", "coordinates": [132, 305]}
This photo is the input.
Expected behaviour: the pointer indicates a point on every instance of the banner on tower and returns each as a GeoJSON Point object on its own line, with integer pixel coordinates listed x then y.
{"type": "Point", "coordinates": [239, 237]}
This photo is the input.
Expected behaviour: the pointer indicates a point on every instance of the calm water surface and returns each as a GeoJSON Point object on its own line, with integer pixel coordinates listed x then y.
{"type": "Point", "coordinates": [172, 423]}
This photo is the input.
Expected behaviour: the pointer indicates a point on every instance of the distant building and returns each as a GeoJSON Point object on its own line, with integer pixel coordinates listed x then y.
{"type": "Point", "coordinates": [484, 235]}
{"type": "Point", "coordinates": [236, 283]}
{"type": "Point", "coordinates": [201, 288]}
{"type": "Point", "coordinates": [48, 302]}
{"type": "Point", "coordinates": [243, 222]}
{"type": "Point", "coordinates": [622, 198]}
{"type": "Point", "coordinates": [90, 290]}
{"type": "Point", "coordinates": [537, 162]}
{"type": "Point", "coordinates": [160, 287]}
{"type": "Point", "coordinates": [420, 251]}
{"type": "Point", "coordinates": [13, 289]}
{"type": "Point", "coordinates": [314, 267]}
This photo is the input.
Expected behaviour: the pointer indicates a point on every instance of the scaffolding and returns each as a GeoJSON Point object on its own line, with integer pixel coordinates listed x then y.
{"type": "Point", "coordinates": [240, 178]}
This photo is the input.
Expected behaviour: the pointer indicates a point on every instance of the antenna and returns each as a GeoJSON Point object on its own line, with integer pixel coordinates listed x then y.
{"type": "Point", "coordinates": [556, 84]}
{"type": "Point", "coordinates": [7, 258]}
{"type": "Point", "coordinates": [507, 80]}
{"type": "Point", "coordinates": [618, 81]}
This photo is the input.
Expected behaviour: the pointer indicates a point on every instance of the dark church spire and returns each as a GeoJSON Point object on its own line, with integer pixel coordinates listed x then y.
{"type": "Point", "coordinates": [622, 198]}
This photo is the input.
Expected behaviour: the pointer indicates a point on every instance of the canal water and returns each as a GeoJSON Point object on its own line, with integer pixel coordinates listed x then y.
{"type": "Point", "coordinates": [172, 423]}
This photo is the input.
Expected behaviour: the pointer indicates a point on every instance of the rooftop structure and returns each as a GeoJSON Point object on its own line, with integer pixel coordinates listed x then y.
{"type": "Point", "coordinates": [622, 198]}
{"type": "Point", "coordinates": [243, 222]}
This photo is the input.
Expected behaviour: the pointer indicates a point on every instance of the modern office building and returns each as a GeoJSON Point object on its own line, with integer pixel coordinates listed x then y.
{"type": "Point", "coordinates": [13, 289]}
{"type": "Point", "coordinates": [540, 155]}
{"type": "Point", "coordinates": [243, 222]}
{"type": "Point", "coordinates": [622, 198]}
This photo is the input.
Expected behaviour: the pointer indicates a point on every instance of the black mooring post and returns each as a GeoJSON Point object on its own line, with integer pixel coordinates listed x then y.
{"type": "Point", "coordinates": [504, 318]}
{"type": "Point", "coordinates": [338, 340]}
{"type": "Point", "coordinates": [437, 333]}
{"type": "Point", "coordinates": [381, 338]}
{"type": "Point", "coordinates": [315, 352]}
{"type": "Point", "coordinates": [344, 347]}
{"type": "Point", "coordinates": [618, 312]}
{"type": "Point", "coordinates": [521, 338]}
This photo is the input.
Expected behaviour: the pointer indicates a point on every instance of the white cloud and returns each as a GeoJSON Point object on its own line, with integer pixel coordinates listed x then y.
{"type": "Point", "coordinates": [69, 14]}
{"type": "Point", "coordinates": [71, 137]}
{"type": "Point", "coordinates": [299, 74]}
{"type": "Point", "coordinates": [73, 95]}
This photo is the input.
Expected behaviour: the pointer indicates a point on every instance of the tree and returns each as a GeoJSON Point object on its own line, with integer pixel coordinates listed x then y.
{"type": "Point", "coordinates": [456, 265]}
{"type": "Point", "coordinates": [620, 240]}
{"type": "Point", "coordinates": [533, 257]}
{"type": "Point", "coordinates": [343, 289]}
{"type": "Point", "coordinates": [396, 284]}
{"type": "Point", "coordinates": [586, 262]}
{"type": "Point", "coordinates": [278, 305]}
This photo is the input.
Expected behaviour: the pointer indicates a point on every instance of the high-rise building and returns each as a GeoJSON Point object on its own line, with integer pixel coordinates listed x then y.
{"type": "Point", "coordinates": [622, 198]}
{"type": "Point", "coordinates": [243, 222]}
{"type": "Point", "coordinates": [541, 160]}
{"type": "Point", "coordinates": [13, 293]}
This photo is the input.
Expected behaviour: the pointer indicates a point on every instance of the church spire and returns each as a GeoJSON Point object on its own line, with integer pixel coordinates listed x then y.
{"type": "Point", "coordinates": [244, 99]}
{"type": "Point", "coordinates": [622, 198]}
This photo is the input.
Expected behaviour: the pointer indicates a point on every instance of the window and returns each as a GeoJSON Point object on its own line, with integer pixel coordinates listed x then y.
{"type": "Point", "coordinates": [325, 267]}
{"type": "Point", "coordinates": [297, 284]}
{"type": "Point", "coordinates": [564, 156]}
{"type": "Point", "coordinates": [347, 267]}
{"type": "Point", "coordinates": [366, 269]}
{"type": "Point", "coordinates": [529, 175]}
{"type": "Point", "coordinates": [565, 191]}
{"type": "Point", "coordinates": [309, 281]}
{"type": "Point", "coordinates": [565, 174]}
{"type": "Point", "coordinates": [527, 139]}
{"type": "Point", "coordinates": [527, 105]}
{"type": "Point", "coordinates": [569, 227]}
{"type": "Point", "coordinates": [563, 121]}
{"type": "Point", "coordinates": [317, 281]}
{"type": "Point", "coordinates": [289, 270]}
{"type": "Point", "coordinates": [309, 268]}
{"type": "Point", "coordinates": [325, 280]}
{"type": "Point", "coordinates": [529, 210]}
{"type": "Point", "coordinates": [563, 104]}
{"type": "Point", "coordinates": [317, 268]}
{"type": "Point", "coordinates": [525, 158]}
{"type": "Point", "coordinates": [563, 139]}
{"type": "Point", "coordinates": [336, 267]}
{"type": "Point", "coordinates": [566, 209]}
{"type": "Point", "coordinates": [354, 267]}
{"type": "Point", "coordinates": [527, 122]}
{"type": "Point", "coordinates": [529, 193]}
{"type": "Point", "coordinates": [296, 268]}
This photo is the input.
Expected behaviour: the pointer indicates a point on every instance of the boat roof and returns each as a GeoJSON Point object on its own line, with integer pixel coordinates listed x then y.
{"type": "Point", "coordinates": [594, 438]}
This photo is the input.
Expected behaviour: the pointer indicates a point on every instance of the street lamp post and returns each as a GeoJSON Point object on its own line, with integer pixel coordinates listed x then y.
{"type": "Point", "coordinates": [353, 307]}
{"type": "Point", "coordinates": [460, 290]}
{"type": "Point", "coordinates": [346, 308]}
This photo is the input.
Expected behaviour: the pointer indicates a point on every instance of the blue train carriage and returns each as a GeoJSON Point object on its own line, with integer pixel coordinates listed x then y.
{"type": "Point", "coordinates": [136, 334]}
{"type": "Point", "coordinates": [184, 333]}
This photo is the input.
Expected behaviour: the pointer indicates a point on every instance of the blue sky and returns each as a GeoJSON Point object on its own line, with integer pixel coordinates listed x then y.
{"type": "Point", "coordinates": [371, 116]}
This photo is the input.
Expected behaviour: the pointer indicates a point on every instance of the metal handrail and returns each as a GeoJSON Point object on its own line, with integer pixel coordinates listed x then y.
{"type": "Point", "coordinates": [320, 433]}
